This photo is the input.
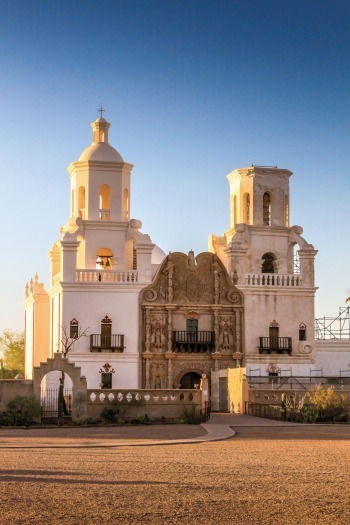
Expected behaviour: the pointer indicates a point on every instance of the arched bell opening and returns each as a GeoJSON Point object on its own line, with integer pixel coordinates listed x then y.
{"type": "Point", "coordinates": [267, 209]}
{"type": "Point", "coordinates": [105, 204]}
{"type": "Point", "coordinates": [81, 202]}
{"type": "Point", "coordinates": [246, 208]}
{"type": "Point", "coordinates": [104, 259]}
{"type": "Point", "coordinates": [130, 254]}
{"type": "Point", "coordinates": [268, 263]}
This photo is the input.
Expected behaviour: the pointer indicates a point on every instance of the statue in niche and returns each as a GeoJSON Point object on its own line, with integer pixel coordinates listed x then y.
{"type": "Point", "coordinates": [226, 333]}
{"type": "Point", "coordinates": [157, 376]}
{"type": "Point", "coordinates": [158, 337]}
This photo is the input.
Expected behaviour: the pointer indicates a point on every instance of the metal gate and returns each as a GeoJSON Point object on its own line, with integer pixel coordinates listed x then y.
{"type": "Point", "coordinates": [56, 404]}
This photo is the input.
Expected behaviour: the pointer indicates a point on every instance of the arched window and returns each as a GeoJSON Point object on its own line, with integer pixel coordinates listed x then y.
{"type": "Point", "coordinates": [74, 329]}
{"type": "Point", "coordinates": [296, 260]}
{"type": "Point", "coordinates": [104, 203]}
{"type": "Point", "coordinates": [268, 264]}
{"type": "Point", "coordinates": [130, 254]}
{"type": "Point", "coordinates": [267, 209]}
{"type": "Point", "coordinates": [246, 208]}
{"type": "Point", "coordinates": [81, 202]}
{"type": "Point", "coordinates": [134, 257]}
{"type": "Point", "coordinates": [302, 332]}
{"type": "Point", "coordinates": [286, 211]}
{"type": "Point", "coordinates": [126, 204]}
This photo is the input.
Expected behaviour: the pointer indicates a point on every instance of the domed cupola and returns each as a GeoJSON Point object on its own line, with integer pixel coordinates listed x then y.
{"type": "Point", "coordinates": [100, 180]}
{"type": "Point", "coordinates": [100, 150]}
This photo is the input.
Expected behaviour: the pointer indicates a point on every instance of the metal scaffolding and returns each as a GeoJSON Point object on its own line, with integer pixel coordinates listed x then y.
{"type": "Point", "coordinates": [337, 328]}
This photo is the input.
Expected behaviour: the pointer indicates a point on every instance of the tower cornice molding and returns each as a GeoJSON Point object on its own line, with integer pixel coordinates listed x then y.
{"type": "Point", "coordinates": [251, 171]}
{"type": "Point", "coordinates": [83, 165]}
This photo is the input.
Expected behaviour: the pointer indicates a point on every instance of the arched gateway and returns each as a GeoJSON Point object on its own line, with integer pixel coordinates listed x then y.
{"type": "Point", "coordinates": [79, 386]}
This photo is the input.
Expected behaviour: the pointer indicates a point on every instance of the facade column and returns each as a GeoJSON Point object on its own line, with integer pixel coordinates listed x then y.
{"type": "Point", "coordinates": [148, 331]}
{"type": "Point", "coordinates": [147, 385]}
{"type": "Point", "coordinates": [216, 328]}
{"type": "Point", "coordinates": [238, 331]}
{"type": "Point", "coordinates": [169, 309]}
{"type": "Point", "coordinates": [170, 372]}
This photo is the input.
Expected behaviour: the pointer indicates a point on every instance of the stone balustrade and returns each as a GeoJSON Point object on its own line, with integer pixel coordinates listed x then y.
{"type": "Point", "coordinates": [107, 276]}
{"type": "Point", "coordinates": [273, 280]}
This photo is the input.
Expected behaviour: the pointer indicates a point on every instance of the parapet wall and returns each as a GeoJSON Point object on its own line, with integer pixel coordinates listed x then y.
{"type": "Point", "coordinates": [138, 403]}
{"type": "Point", "coordinates": [10, 388]}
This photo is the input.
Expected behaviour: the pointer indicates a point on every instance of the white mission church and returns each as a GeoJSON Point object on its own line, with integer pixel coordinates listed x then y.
{"type": "Point", "coordinates": [162, 321]}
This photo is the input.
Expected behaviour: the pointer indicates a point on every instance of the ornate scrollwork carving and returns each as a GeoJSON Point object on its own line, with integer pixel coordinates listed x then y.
{"type": "Point", "coordinates": [150, 295]}
{"type": "Point", "coordinates": [233, 296]}
{"type": "Point", "coordinates": [305, 348]}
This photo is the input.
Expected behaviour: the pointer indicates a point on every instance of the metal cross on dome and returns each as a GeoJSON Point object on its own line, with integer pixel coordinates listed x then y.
{"type": "Point", "coordinates": [101, 110]}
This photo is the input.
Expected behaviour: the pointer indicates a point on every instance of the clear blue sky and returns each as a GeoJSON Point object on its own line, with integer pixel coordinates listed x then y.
{"type": "Point", "coordinates": [193, 89]}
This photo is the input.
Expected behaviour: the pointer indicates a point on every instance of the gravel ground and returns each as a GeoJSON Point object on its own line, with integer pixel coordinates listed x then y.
{"type": "Point", "coordinates": [261, 476]}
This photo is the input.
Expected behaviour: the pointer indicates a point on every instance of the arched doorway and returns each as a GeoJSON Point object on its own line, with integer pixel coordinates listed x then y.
{"type": "Point", "coordinates": [190, 380]}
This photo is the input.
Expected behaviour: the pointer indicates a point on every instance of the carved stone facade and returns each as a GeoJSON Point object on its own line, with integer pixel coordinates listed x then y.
{"type": "Point", "coordinates": [192, 321]}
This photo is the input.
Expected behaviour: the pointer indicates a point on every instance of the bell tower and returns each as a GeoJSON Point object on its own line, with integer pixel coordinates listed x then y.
{"type": "Point", "coordinates": [272, 264]}
{"type": "Point", "coordinates": [259, 196]}
{"type": "Point", "coordinates": [100, 180]}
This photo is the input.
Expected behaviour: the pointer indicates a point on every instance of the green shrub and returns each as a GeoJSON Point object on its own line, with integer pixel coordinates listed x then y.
{"type": "Point", "coordinates": [308, 414]}
{"type": "Point", "coordinates": [5, 420]}
{"type": "Point", "coordinates": [22, 410]}
{"type": "Point", "coordinates": [110, 414]}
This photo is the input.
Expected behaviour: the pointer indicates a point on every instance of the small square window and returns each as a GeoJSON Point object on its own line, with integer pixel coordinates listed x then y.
{"type": "Point", "coordinates": [106, 380]}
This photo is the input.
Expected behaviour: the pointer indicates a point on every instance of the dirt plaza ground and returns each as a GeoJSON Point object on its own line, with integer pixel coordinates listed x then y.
{"type": "Point", "coordinates": [263, 475]}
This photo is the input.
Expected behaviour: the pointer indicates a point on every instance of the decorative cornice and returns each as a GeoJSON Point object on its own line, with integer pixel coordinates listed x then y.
{"type": "Point", "coordinates": [81, 165]}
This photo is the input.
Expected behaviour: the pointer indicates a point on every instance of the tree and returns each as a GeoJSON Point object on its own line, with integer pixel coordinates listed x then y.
{"type": "Point", "coordinates": [12, 353]}
{"type": "Point", "coordinates": [67, 341]}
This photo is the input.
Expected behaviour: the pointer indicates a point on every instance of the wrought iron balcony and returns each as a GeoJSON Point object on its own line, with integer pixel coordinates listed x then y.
{"type": "Point", "coordinates": [193, 342]}
{"type": "Point", "coordinates": [106, 343]}
{"type": "Point", "coordinates": [275, 345]}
